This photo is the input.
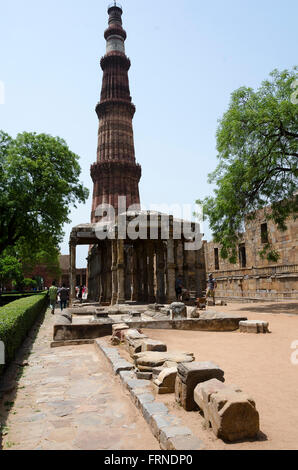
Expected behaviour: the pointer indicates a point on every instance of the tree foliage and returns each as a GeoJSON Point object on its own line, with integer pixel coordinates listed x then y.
{"type": "Point", "coordinates": [39, 183]}
{"type": "Point", "coordinates": [257, 143]}
{"type": "Point", "coordinates": [10, 269]}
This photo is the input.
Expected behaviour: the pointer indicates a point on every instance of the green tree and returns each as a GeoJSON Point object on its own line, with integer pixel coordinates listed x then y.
{"type": "Point", "coordinates": [30, 283]}
{"type": "Point", "coordinates": [39, 182]}
{"type": "Point", "coordinates": [10, 270]}
{"type": "Point", "coordinates": [49, 259]}
{"type": "Point", "coordinates": [257, 143]}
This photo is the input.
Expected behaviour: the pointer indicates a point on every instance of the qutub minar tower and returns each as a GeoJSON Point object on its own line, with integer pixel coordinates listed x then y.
{"type": "Point", "coordinates": [122, 269]}
{"type": "Point", "coordinates": [115, 173]}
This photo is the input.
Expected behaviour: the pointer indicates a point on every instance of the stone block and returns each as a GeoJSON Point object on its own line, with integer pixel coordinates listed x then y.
{"type": "Point", "coordinates": [203, 392]}
{"type": "Point", "coordinates": [165, 383]}
{"type": "Point", "coordinates": [133, 334]}
{"type": "Point", "coordinates": [185, 443]}
{"type": "Point", "coordinates": [158, 422]}
{"type": "Point", "coordinates": [141, 398]}
{"type": "Point", "coordinates": [194, 313]}
{"type": "Point", "coordinates": [119, 327]}
{"type": "Point", "coordinates": [231, 413]}
{"type": "Point", "coordinates": [121, 365]}
{"type": "Point", "coordinates": [133, 346]}
{"type": "Point", "coordinates": [254, 326]}
{"type": "Point", "coordinates": [156, 371]}
{"type": "Point", "coordinates": [115, 341]}
{"type": "Point", "coordinates": [155, 307]}
{"type": "Point", "coordinates": [189, 376]}
{"type": "Point", "coordinates": [165, 311]}
{"type": "Point", "coordinates": [144, 375]}
{"type": "Point", "coordinates": [146, 361]}
{"type": "Point", "coordinates": [136, 315]}
{"type": "Point", "coordinates": [62, 320]}
{"type": "Point", "coordinates": [171, 432]}
{"type": "Point", "coordinates": [135, 383]}
{"type": "Point", "coordinates": [67, 315]}
{"type": "Point", "coordinates": [152, 409]}
{"type": "Point", "coordinates": [153, 345]}
{"type": "Point", "coordinates": [179, 310]}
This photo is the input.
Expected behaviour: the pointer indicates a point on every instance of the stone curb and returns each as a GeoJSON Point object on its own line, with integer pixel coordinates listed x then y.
{"type": "Point", "coordinates": [118, 364]}
{"type": "Point", "coordinates": [78, 342]}
{"type": "Point", "coordinates": [165, 427]}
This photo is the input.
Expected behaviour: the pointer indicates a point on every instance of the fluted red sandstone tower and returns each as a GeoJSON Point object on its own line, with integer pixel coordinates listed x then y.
{"type": "Point", "coordinates": [115, 173]}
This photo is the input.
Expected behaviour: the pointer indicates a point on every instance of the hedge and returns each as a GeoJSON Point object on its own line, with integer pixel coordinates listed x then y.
{"type": "Point", "coordinates": [16, 319]}
{"type": "Point", "coordinates": [7, 298]}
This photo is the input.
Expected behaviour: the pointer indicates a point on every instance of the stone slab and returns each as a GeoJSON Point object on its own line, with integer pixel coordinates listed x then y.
{"type": "Point", "coordinates": [254, 326]}
{"type": "Point", "coordinates": [153, 345]}
{"type": "Point", "coordinates": [151, 359]}
{"type": "Point", "coordinates": [144, 375]}
{"type": "Point", "coordinates": [214, 322]}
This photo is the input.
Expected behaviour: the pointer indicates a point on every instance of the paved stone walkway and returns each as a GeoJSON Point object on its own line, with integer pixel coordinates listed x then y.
{"type": "Point", "coordinates": [67, 398]}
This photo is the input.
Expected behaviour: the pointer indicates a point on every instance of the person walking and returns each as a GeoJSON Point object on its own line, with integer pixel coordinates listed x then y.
{"type": "Point", "coordinates": [80, 294]}
{"type": "Point", "coordinates": [53, 290]}
{"type": "Point", "coordinates": [211, 286]}
{"type": "Point", "coordinates": [63, 293]}
{"type": "Point", "coordinates": [178, 288]}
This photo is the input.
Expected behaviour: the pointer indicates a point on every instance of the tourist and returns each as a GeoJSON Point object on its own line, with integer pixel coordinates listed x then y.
{"type": "Point", "coordinates": [53, 290]}
{"type": "Point", "coordinates": [80, 294]}
{"type": "Point", "coordinates": [211, 286]}
{"type": "Point", "coordinates": [63, 293]}
{"type": "Point", "coordinates": [85, 293]}
{"type": "Point", "coordinates": [178, 288]}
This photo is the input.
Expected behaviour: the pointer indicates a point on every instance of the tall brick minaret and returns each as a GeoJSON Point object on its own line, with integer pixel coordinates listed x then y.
{"type": "Point", "coordinates": [115, 173]}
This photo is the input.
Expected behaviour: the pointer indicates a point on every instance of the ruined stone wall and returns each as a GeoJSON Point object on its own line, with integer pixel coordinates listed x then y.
{"type": "Point", "coordinates": [260, 278]}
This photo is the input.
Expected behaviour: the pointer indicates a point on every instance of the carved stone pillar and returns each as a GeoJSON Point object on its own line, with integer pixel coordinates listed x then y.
{"type": "Point", "coordinates": [150, 271]}
{"type": "Point", "coordinates": [185, 267]}
{"type": "Point", "coordinates": [179, 256]}
{"type": "Point", "coordinates": [120, 272]}
{"type": "Point", "coordinates": [198, 268]}
{"type": "Point", "coordinates": [114, 273]}
{"type": "Point", "coordinates": [140, 269]}
{"type": "Point", "coordinates": [72, 270]}
{"type": "Point", "coordinates": [108, 274]}
{"type": "Point", "coordinates": [145, 273]}
{"type": "Point", "coordinates": [160, 275]}
{"type": "Point", "coordinates": [135, 276]}
{"type": "Point", "coordinates": [102, 290]}
{"type": "Point", "coordinates": [171, 277]}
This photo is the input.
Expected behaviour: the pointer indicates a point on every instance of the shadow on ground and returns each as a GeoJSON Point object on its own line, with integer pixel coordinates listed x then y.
{"type": "Point", "coordinates": [291, 308]}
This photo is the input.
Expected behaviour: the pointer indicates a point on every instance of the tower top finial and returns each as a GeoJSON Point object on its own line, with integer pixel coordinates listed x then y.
{"type": "Point", "coordinates": [115, 5]}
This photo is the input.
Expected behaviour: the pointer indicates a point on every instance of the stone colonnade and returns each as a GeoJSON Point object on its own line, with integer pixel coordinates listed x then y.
{"type": "Point", "coordinates": [140, 271]}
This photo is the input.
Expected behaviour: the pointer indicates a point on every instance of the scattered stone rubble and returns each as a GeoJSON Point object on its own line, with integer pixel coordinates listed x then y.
{"type": "Point", "coordinates": [230, 412]}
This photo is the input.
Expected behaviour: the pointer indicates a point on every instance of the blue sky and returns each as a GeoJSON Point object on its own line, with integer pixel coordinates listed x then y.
{"type": "Point", "coordinates": [187, 58]}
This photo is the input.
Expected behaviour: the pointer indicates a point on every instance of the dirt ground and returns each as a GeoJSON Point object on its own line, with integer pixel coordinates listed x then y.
{"type": "Point", "coordinates": [259, 364]}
